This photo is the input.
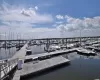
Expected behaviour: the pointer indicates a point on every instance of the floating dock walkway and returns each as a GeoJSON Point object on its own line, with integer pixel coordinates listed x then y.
{"type": "Point", "coordinates": [60, 52]}
{"type": "Point", "coordinates": [50, 54]}
{"type": "Point", "coordinates": [21, 53]}
{"type": "Point", "coordinates": [8, 65]}
{"type": "Point", "coordinates": [32, 68]}
{"type": "Point", "coordinates": [49, 59]}
{"type": "Point", "coordinates": [48, 62]}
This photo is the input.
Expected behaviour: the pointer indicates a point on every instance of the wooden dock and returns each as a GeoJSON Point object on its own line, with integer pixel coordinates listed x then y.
{"type": "Point", "coordinates": [60, 52]}
{"type": "Point", "coordinates": [32, 68]}
{"type": "Point", "coordinates": [21, 53]}
{"type": "Point", "coordinates": [16, 75]}
{"type": "Point", "coordinates": [10, 64]}
{"type": "Point", "coordinates": [51, 59]}
{"type": "Point", "coordinates": [55, 53]}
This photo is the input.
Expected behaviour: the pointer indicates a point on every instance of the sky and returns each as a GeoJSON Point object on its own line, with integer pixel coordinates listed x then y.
{"type": "Point", "coordinates": [49, 18]}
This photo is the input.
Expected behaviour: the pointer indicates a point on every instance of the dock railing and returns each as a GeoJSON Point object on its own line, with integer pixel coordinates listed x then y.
{"type": "Point", "coordinates": [6, 67]}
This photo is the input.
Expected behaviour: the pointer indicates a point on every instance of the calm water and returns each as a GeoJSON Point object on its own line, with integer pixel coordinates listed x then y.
{"type": "Point", "coordinates": [80, 68]}
{"type": "Point", "coordinates": [7, 53]}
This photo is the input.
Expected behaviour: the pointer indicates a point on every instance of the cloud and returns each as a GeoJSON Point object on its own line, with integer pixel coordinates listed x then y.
{"type": "Point", "coordinates": [59, 17]}
{"type": "Point", "coordinates": [21, 20]}
{"type": "Point", "coordinates": [25, 30]}
{"type": "Point", "coordinates": [13, 13]}
{"type": "Point", "coordinates": [77, 23]}
{"type": "Point", "coordinates": [36, 7]}
{"type": "Point", "coordinates": [25, 15]}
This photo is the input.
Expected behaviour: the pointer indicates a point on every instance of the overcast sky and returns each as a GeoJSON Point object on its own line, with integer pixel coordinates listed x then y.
{"type": "Point", "coordinates": [49, 18]}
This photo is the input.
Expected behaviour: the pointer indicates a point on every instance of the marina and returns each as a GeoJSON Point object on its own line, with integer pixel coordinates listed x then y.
{"type": "Point", "coordinates": [49, 39]}
{"type": "Point", "coordinates": [34, 63]}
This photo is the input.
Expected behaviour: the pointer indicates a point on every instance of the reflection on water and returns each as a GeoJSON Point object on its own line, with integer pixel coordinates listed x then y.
{"type": "Point", "coordinates": [37, 49]}
{"type": "Point", "coordinates": [81, 68]}
{"type": "Point", "coordinates": [7, 53]}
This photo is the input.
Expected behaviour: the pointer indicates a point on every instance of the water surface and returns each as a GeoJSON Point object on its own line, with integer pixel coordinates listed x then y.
{"type": "Point", "coordinates": [81, 68]}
